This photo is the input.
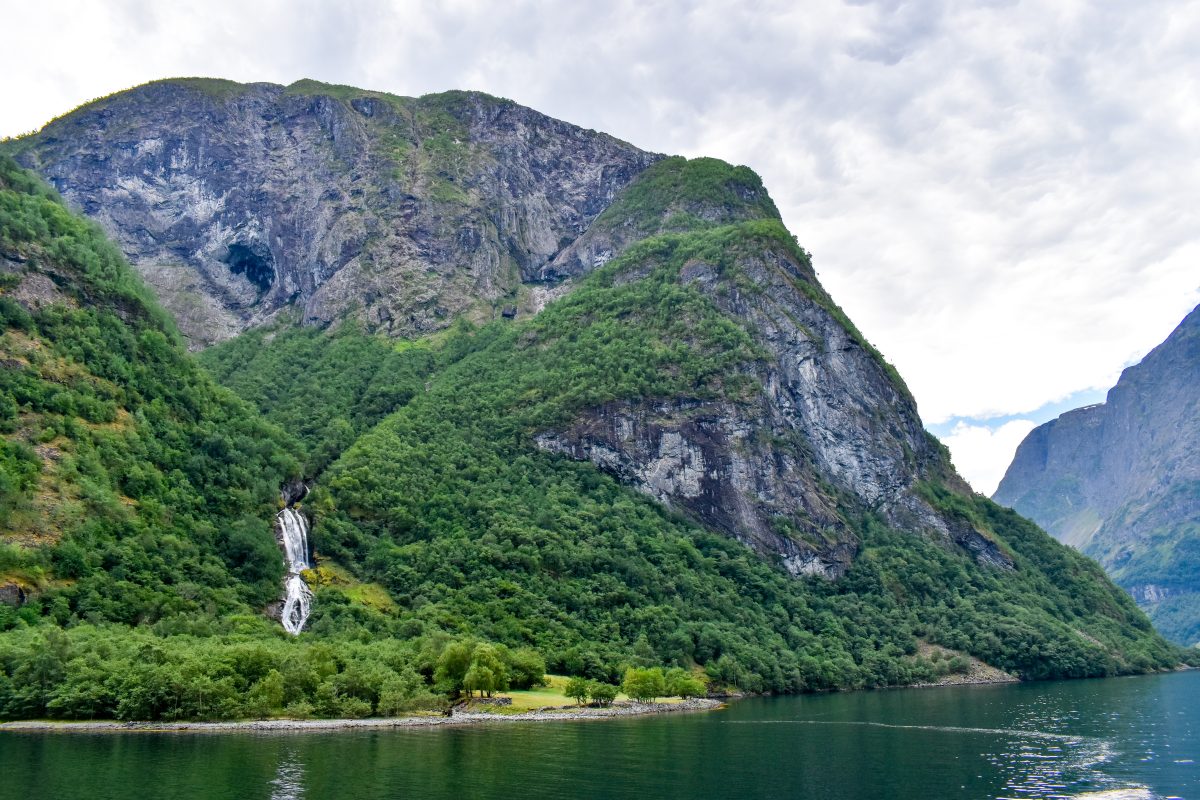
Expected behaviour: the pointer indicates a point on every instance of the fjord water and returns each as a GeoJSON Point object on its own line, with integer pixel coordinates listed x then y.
{"type": "Point", "coordinates": [1046, 740]}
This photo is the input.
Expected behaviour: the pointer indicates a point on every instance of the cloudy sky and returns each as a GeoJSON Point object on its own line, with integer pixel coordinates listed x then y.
{"type": "Point", "coordinates": [1004, 196]}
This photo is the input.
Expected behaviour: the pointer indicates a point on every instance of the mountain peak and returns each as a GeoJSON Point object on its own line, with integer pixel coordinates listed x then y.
{"type": "Point", "coordinates": [403, 214]}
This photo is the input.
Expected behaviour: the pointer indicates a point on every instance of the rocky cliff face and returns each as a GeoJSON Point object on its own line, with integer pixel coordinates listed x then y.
{"type": "Point", "coordinates": [671, 196]}
{"type": "Point", "coordinates": [1121, 480]}
{"type": "Point", "coordinates": [825, 433]}
{"type": "Point", "coordinates": [236, 202]}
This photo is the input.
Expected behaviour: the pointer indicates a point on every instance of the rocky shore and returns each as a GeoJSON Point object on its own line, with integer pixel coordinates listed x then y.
{"type": "Point", "coordinates": [301, 725]}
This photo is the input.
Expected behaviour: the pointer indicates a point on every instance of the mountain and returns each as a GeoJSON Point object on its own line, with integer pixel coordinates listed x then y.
{"type": "Point", "coordinates": [1120, 481]}
{"type": "Point", "coordinates": [638, 432]}
{"type": "Point", "coordinates": [235, 201]}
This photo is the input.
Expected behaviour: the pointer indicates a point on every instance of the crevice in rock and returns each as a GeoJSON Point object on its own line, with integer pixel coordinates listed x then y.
{"type": "Point", "coordinates": [255, 261]}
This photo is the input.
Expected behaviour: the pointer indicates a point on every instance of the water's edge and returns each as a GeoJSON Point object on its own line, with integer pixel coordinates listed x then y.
{"type": "Point", "coordinates": [461, 718]}
{"type": "Point", "coordinates": [314, 725]}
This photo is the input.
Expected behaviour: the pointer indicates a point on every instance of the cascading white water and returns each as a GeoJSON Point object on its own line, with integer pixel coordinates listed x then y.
{"type": "Point", "coordinates": [298, 600]}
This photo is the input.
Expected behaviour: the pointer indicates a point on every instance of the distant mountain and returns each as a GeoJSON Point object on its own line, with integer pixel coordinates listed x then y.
{"type": "Point", "coordinates": [531, 386]}
{"type": "Point", "coordinates": [1120, 481]}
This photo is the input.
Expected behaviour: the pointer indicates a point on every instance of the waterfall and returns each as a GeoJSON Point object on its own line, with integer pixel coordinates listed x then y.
{"type": "Point", "coordinates": [293, 529]}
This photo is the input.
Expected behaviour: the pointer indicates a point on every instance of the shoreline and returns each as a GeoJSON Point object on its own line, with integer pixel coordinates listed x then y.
{"type": "Point", "coordinates": [991, 677]}
{"type": "Point", "coordinates": [458, 719]}
{"type": "Point", "coordinates": [464, 718]}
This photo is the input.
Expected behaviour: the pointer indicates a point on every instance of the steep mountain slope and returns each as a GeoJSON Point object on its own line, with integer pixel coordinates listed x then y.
{"type": "Point", "coordinates": [120, 497]}
{"type": "Point", "coordinates": [327, 390]}
{"type": "Point", "coordinates": [234, 201]}
{"type": "Point", "coordinates": [136, 498]}
{"type": "Point", "coordinates": [449, 505]}
{"type": "Point", "coordinates": [1121, 481]}
{"type": "Point", "coordinates": [708, 371]}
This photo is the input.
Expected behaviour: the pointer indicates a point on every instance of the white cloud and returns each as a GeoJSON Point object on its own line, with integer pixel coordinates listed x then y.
{"type": "Point", "coordinates": [1000, 194]}
{"type": "Point", "coordinates": [982, 454]}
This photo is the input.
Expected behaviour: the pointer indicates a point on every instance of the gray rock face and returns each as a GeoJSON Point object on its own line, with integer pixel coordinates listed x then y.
{"type": "Point", "coordinates": [236, 202]}
{"type": "Point", "coordinates": [12, 594]}
{"type": "Point", "coordinates": [828, 431]}
{"type": "Point", "coordinates": [1121, 481]}
{"type": "Point", "coordinates": [689, 195]}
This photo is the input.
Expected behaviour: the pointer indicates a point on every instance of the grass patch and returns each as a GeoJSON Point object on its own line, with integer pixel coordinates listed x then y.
{"type": "Point", "coordinates": [334, 577]}
{"type": "Point", "coordinates": [552, 695]}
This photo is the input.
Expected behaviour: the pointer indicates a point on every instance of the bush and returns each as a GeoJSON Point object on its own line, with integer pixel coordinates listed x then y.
{"type": "Point", "coordinates": [602, 693]}
{"type": "Point", "coordinates": [681, 684]}
{"type": "Point", "coordinates": [526, 668]}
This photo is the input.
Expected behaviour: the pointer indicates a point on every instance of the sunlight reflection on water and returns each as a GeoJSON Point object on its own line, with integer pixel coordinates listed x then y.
{"type": "Point", "coordinates": [288, 783]}
{"type": "Point", "coordinates": [1037, 764]}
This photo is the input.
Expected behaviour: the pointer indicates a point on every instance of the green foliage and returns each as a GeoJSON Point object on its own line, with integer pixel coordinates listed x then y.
{"type": "Point", "coordinates": [526, 668]}
{"type": "Point", "coordinates": [162, 487]}
{"type": "Point", "coordinates": [671, 193]}
{"type": "Point", "coordinates": [117, 672]}
{"type": "Point", "coordinates": [19, 467]}
{"type": "Point", "coordinates": [151, 487]}
{"type": "Point", "coordinates": [452, 667]}
{"type": "Point", "coordinates": [644, 684]}
{"type": "Point", "coordinates": [680, 683]}
{"type": "Point", "coordinates": [488, 671]}
{"type": "Point", "coordinates": [449, 505]}
{"type": "Point", "coordinates": [472, 666]}
{"type": "Point", "coordinates": [326, 389]}
{"type": "Point", "coordinates": [578, 689]}
{"type": "Point", "coordinates": [602, 694]}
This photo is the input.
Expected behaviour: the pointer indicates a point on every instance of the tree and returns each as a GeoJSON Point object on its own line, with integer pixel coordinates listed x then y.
{"type": "Point", "coordinates": [681, 684]}
{"type": "Point", "coordinates": [452, 666]}
{"type": "Point", "coordinates": [266, 695]}
{"type": "Point", "coordinates": [602, 693]}
{"type": "Point", "coordinates": [578, 689]}
{"type": "Point", "coordinates": [644, 684]}
{"type": "Point", "coordinates": [527, 668]}
{"type": "Point", "coordinates": [689, 687]}
{"type": "Point", "coordinates": [491, 673]}
{"type": "Point", "coordinates": [479, 679]}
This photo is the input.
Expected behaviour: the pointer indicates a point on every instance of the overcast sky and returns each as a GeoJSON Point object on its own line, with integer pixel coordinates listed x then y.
{"type": "Point", "coordinates": [1004, 196]}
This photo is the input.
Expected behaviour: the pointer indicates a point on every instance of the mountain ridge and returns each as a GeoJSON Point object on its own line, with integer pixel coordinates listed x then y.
{"type": "Point", "coordinates": [1118, 480]}
{"type": "Point", "coordinates": [237, 200]}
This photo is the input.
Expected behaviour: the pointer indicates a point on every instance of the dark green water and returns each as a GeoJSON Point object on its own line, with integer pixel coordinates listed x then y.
{"type": "Point", "coordinates": [1040, 740]}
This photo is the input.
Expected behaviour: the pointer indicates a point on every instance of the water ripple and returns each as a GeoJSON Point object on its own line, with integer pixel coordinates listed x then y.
{"type": "Point", "coordinates": [1057, 737]}
{"type": "Point", "coordinates": [289, 779]}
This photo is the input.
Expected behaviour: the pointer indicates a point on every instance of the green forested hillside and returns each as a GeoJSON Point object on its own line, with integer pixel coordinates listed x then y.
{"type": "Point", "coordinates": [135, 487]}
{"type": "Point", "coordinates": [675, 194]}
{"type": "Point", "coordinates": [136, 507]}
{"type": "Point", "coordinates": [136, 502]}
{"type": "Point", "coordinates": [324, 389]}
{"type": "Point", "coordinates": [448, 505]}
